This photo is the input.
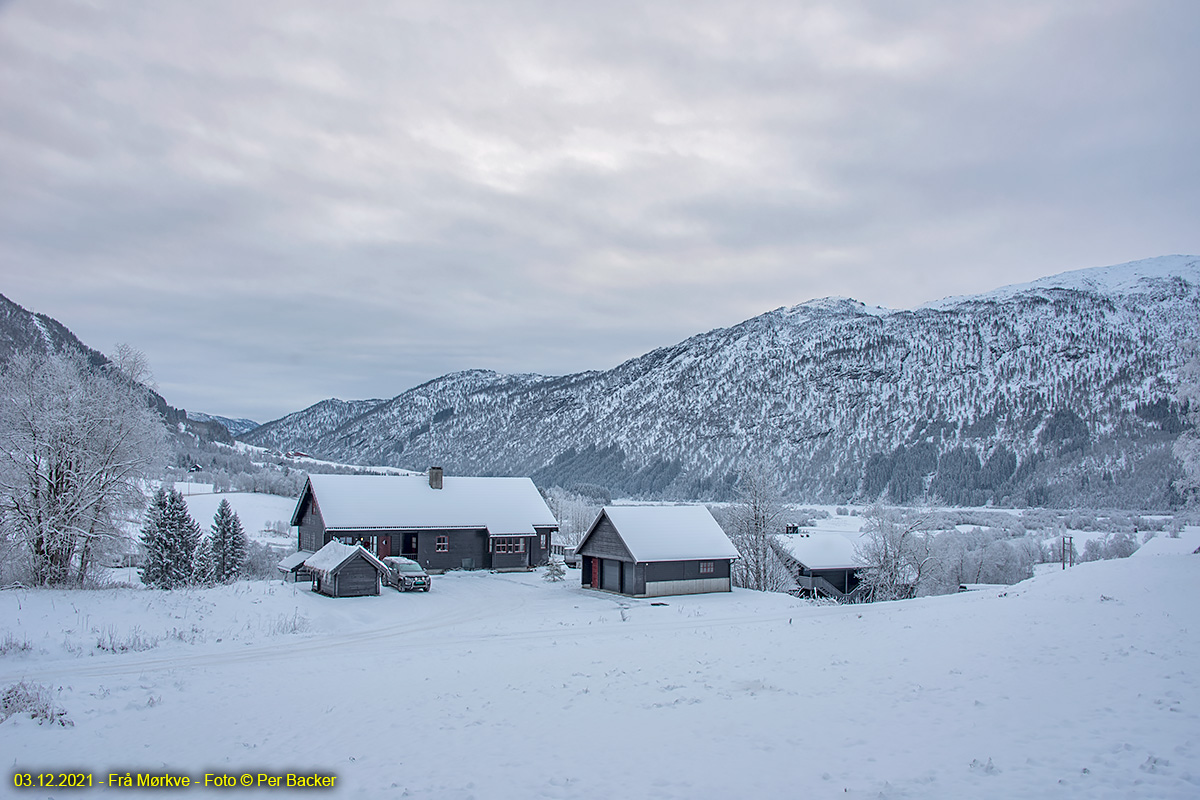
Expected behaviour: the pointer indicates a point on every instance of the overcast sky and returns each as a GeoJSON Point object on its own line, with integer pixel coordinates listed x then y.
{"type": "Point", "coordinates": [282, 201]}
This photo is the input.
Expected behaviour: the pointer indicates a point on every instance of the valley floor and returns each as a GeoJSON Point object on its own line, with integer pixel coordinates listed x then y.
{"type": "Point", "coordinates": [1075, 684]}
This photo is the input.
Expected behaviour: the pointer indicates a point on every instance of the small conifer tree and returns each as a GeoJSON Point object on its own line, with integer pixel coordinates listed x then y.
{"type": "Point", "coordinates": [228, 544]}
{"type": "Point", "coordinates": [554, 570]}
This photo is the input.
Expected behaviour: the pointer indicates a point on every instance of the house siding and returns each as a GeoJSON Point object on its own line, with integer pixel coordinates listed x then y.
{"type": "Point", "coordinates": [605, 542]}
{"type": "Point", "coordinates": [312, 527]}
{"type": "Point", "coordinates": [510, 560]}
{"type": "Point", "coordinates": [686, 570]}
{"type": "Point", "coordinates": [538, 555]}
{"type": "Point", "coordinates": [468, 549]}
{"type": "Point", "coordinates": [698, 586]}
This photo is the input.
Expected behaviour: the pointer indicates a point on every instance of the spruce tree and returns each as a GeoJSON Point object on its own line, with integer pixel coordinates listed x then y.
{"type": "Point", "coordinates": [184, 536]}
{"type": "Point", "coordinates": [204, 570]}
{"type": "Point", "coordinates": [171, 538]}
{"type": "Point", "coordinates": [228, 544]}
{"type": "Point", "coordinates": [154, 568]}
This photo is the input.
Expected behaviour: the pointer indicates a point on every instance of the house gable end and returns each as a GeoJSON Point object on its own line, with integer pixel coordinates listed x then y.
{"type": "Point", "coordinates": [603, 540]}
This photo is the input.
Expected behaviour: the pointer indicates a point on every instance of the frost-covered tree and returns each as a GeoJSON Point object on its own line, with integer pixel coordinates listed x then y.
{"type": "Point", "coordinates": [203, 564]}
{"type": "Point", "coordinates": [555, 571]}
{"type": "Point", "coordinates": [896, 554]}
{"type": "Point", "coordinates": [228, 542]}
{"type": "Point", "coordinates": [573, 510]}
{"type": "Point", "coordinates": [755, 520]}
{"type": "Point", "coordinates": [171, 539]}
{"type": "Point", "coordinates": [76, 442]}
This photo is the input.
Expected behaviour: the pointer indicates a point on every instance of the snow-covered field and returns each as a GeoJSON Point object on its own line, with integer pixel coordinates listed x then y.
{"type": "Point", "coordinates": [1075, 684]}
{"type": "Point", "coordinates": [256, 511]}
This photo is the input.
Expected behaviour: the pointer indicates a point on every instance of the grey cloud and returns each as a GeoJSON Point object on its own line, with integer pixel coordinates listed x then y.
{"type": "Point", "coordinates": [283, 201]}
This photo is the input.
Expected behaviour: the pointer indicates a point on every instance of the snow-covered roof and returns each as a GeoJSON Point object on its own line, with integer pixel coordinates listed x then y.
{"type": "Point", "coordinates": [504, 506]}
{"type": "Point", "coordinates": [334, 554]}
{"type": "Point", "coordinates": [668, 533]}
{"type": "Point", "coordinates": [820, 550]}
{"type": "Point", "coordinates": [289, 563]}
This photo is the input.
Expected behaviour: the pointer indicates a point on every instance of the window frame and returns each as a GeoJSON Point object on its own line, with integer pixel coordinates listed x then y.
{"type": "Point", "coordinates": [442, 543]}
{"type": "Point", "coordinates": [508, 545]}
{"type": "Point", "coordinates": [708, 567]}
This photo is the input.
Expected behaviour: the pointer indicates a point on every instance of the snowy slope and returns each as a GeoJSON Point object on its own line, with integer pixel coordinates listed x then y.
{"type": "Point", "coordinates": [258, 512]}
{"type": "Point", "coordinates": [1076, 684]}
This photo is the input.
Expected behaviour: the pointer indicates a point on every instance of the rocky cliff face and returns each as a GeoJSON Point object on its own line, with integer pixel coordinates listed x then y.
{"type": "Point", "coordinates": [1059, 391]}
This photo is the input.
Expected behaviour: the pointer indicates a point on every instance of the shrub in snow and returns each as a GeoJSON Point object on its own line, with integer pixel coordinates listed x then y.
{"type": "Point", "coordinates": [32, 699]}
{"type": "Point", "coordinates": [260, 560]}
{"type": "Point", "coordinates": [11, 644]}
{"type": "Point", "coordinates": [134, 642]}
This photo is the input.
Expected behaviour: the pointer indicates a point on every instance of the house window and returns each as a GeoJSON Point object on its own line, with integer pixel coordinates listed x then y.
{"type": "Point", "coordinates": [706, 567]}
{"type": "Point", "coordinates": [442, 545]}
{"type": "Point", "coordinates": [512, 544]}
{"type": "Point", "coordinates": [543, 540]}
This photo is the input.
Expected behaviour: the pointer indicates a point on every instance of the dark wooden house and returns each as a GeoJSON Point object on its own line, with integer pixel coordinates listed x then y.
{"type": "Point", "coordinates": [823, 563]}
{"type": "Point", "coordinates": [650, 551]}
{"type": "Point", "coordinates": [342, 570]}
{"type": "Point", "coordinates": [441, 522]}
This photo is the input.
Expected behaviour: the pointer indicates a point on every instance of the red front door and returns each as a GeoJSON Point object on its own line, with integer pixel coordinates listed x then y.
{"type": "Point", "coordinates": [385, 546]}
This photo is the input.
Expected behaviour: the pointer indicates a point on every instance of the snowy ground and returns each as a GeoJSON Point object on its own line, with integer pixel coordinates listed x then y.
{"type": "Point", "coordinates": [1076, 684]}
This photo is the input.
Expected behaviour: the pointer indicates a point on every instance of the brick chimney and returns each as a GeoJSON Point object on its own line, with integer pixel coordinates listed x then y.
{"type": "Point", "coordinates": [435, 477]}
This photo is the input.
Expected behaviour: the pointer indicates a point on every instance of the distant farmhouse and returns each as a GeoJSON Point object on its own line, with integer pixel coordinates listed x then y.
{"type": "Point", "coordinates": [649, 551]}
{"type": "Point", "coordinates": [438, 521]}
{"type": "Point", "coordinates": [822, 564]}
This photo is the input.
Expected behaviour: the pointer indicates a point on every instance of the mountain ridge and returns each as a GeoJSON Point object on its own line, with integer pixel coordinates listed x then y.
{"type": "Point", "coordinates": [1062, 379]}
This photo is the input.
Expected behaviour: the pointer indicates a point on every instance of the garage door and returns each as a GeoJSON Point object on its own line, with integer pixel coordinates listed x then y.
{"type": "Point", "coordinates": [610, 576]}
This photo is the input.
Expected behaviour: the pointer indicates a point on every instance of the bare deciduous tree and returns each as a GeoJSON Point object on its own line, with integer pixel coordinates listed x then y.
{"type": "Point", "coordinates": [896, 554]}
{"type": "Point", "coordinates": [75, 444]}
{"type": "Point", "coordinates": [755, 521]}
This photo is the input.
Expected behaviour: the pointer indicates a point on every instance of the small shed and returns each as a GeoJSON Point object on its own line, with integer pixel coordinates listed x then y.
{"type": "Point", "coordinates": [292, 567]}
{"type": "Point", "coordinates": [650, 551]}
{"type": "Point", "coordinates": [822, 563]}
{"type": "Point", "coordinates": [342, 570]}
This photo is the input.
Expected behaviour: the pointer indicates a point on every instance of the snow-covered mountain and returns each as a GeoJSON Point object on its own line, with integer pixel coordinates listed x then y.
{"type": "Point", "coordinates": [308, 425]}
{"type": "Point", "coordinates": [22, 329]}
{"type": "Point", "coordinates": [234, 426]}
{"type": "Point", "coordinates": [1056, 391]}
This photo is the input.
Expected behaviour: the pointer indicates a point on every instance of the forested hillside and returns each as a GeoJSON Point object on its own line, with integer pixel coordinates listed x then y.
{"type": "Point", "coordinates": [1056, 392]}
